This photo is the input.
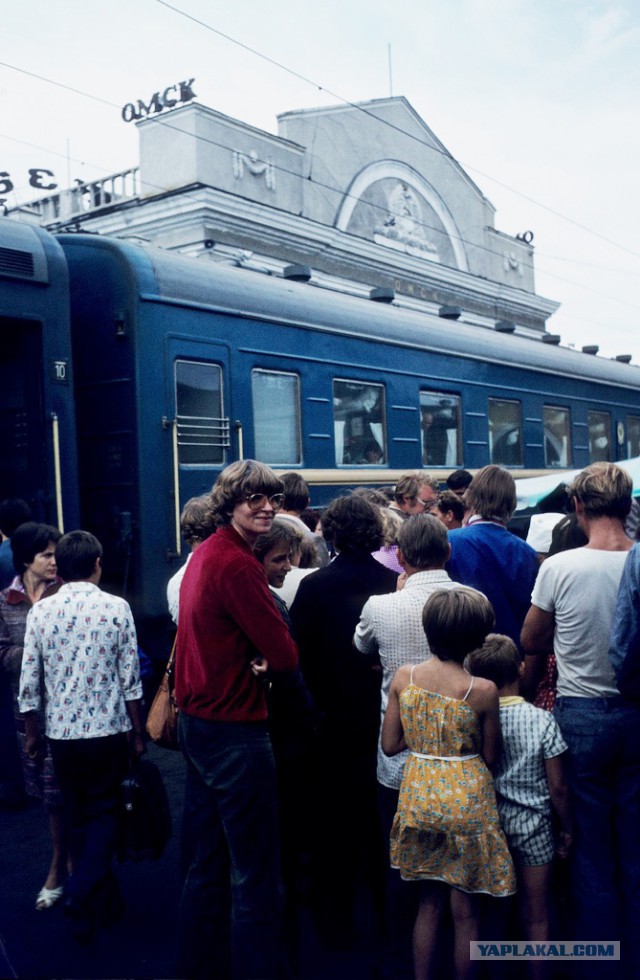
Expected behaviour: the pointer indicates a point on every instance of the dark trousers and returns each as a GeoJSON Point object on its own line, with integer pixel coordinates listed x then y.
{"type": "Point", "coordinates": [401, 900]}
{"type": "Point", "coordinates": [11, 781]}
{"type": "Point", "coordinates": [230, 919]}
{"type": "Point", "coordinates": [89, 773]}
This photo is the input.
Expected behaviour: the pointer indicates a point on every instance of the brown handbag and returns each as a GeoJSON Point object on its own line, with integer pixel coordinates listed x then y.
{"type": "Point", "coordinates": [162, 720]}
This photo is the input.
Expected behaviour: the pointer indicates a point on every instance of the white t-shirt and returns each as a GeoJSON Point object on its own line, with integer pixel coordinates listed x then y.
{"type": "Point", "coordinates": [291, 583]}
{"type": "Point", "coordinates": [173, 590]}
{"type": "Point", "coordinates": [580, 587]}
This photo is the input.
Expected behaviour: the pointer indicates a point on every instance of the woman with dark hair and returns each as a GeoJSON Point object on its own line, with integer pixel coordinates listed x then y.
{"type": "Point", "coordinates": [33, 546]}
{"type": "Point", "coordinates": [346, 692]}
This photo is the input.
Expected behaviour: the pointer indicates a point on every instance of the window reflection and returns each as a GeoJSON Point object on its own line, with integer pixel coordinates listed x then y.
{"type": "Point", "coordinates": [599, 437]}
{"type": "Point", "coordinates": [557, 436]}
{"type": "Point", "coordinates": [440, 429]}
{"type": "Point", "coordinates": [358, 412]}
{"type": "Point", "coordinates": [203, 432]}
{"type": "Point", "coordinates": [633, 436]}
{"type": "Point", "coordinates": [505, 432]}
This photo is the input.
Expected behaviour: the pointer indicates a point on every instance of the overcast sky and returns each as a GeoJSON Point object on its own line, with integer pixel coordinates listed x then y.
{"type": "Point", "coordinates": [537, 99]}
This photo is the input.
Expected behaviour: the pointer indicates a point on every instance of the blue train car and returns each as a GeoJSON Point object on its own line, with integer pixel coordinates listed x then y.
{"type": "Point", "coordinates": [37, 415]}
{"type": "Point", "coordinates": [185, 365]}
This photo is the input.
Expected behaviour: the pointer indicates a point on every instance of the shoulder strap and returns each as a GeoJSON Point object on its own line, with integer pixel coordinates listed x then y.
{"type": "Point", "coordinates": [172, 655]}
{"type": "Point", "coordinates": [469, 688]}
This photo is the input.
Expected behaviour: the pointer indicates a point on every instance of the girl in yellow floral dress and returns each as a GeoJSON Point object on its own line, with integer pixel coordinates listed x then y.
{"type": "Point", "coordinates": [446, 833]}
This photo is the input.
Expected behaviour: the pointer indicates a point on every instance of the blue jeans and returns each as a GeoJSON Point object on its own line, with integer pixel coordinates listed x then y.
{"type": "Point", "coordinates": [603, 769]}
{"type": "Point", "coordinates": [230, 919]}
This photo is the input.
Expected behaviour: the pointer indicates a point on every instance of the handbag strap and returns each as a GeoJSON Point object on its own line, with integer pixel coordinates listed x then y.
{"type": "Point", "coordinates": [172, 658]}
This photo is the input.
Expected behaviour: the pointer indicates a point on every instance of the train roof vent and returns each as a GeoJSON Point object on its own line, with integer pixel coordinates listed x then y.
{"type": "Point", "coordinates": [551, 338]}
{"type": "Point", "coordinates": [14, 262]}
{"type": "Point", "coordinates": [505, 326]}
{"type": "Point", "coordinates": [382, 294]}
{"type": "Point", "coordinates": [624, 358]}
{"type": "Point", "coordinates": [297, 273]}
{"type": "Point", "coordinates": [450, 312]}
{"type": "Point", "coordinates": [590, 349]}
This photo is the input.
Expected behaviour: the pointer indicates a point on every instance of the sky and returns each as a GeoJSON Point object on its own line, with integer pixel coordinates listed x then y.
{"type": "Point", "coordinates": [537, 101]}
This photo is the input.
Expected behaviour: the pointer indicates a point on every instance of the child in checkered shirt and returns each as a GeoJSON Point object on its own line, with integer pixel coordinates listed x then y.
{"type": "Point", "coordinates": [529, 781]}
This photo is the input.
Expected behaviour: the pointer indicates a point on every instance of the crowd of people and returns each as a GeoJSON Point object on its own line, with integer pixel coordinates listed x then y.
{"type": "Point", "coordinates": [397, 710]}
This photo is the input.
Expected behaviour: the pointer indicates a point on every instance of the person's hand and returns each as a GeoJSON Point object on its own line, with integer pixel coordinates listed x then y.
{"type": "Point", "coordinates": [402, 581]}
{"type": "Point", "coordinates": [34, 745]}
{"type": "Point", "coordinates": [137, 744]}
{"type": "Point", "coordinates": [259, 666]}
{"type": "Point", "coordinates": [565, 841]}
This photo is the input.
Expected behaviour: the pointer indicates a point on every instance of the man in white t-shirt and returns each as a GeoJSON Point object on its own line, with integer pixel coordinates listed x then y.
{"type": "Point", "coordinates": [572, 612]}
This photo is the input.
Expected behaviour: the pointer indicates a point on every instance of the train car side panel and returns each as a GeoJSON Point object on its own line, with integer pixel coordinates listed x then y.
{"type": "Point", "coordinates": [37, 414]}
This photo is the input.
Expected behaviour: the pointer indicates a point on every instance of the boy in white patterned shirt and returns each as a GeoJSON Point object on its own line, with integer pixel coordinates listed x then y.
{"type": "Point", "coordinates": [529, 781]}
{"type": "Point", "coordinates": [81, 662]}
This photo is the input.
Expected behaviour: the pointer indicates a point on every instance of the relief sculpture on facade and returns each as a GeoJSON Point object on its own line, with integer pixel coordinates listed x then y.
{"type": "Point", "coordinates": [404, 227]}
{"type": "Point", "coordinates": [255, 166]}
{"type": "Point", "coordinates": [513, 264]}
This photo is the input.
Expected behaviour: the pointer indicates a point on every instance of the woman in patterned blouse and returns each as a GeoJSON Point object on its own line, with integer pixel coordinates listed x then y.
{"type": "Point", "coordinates": [33, 547]}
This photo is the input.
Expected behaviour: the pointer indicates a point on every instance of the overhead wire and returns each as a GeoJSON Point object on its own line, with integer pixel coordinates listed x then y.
{"type": "Point", "coordinates": [399, 129]}
{"type": "Point", "coordinates": [339, 192]}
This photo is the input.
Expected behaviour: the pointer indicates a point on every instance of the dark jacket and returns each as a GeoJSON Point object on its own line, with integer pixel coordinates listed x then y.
{"type": "Point", "coordinates": [344, 686]}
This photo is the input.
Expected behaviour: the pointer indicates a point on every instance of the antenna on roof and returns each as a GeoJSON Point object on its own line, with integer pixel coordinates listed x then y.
{"type": "Point", "coordinates": [390, 71]}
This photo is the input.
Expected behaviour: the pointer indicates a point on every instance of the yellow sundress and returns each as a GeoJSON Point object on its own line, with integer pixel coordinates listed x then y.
{"type": "Point", "coordinates": [447, 827]}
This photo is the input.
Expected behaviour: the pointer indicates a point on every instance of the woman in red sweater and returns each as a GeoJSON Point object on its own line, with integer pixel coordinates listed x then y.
{"type": "Point", "coordinates": [231, 910]}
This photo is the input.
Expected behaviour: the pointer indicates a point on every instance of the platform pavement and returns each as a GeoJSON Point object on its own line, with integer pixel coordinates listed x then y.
{"type": "Point", "coordinates": [36, 944]}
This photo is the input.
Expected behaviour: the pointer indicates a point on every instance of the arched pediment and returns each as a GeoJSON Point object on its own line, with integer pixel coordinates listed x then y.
{"type": "Point", "coordinates": [392, 204]}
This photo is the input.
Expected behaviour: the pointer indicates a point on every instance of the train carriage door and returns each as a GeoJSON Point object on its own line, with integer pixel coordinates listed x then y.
{"type": "Point", "coordinates": [198, 399]}
{"type": "Point", "coordinates": [22, 439]}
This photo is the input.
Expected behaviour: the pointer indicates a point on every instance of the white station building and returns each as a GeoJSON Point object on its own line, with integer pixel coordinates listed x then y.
{"type": "Point", "coordinates": [360, 198]}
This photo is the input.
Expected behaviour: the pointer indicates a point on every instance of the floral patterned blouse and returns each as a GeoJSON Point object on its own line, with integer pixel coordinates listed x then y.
{"type": "Point", "coordinates": [82, 643]}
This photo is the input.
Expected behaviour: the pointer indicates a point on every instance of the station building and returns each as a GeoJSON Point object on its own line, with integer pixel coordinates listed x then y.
{"type": "Point", "coordinates": [361, 198]}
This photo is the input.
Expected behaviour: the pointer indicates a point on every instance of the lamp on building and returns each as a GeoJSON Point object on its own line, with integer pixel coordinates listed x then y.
{"type": "Point", "coordinates": [450, 312]}
{"type": "Point", "coordinates": [624, 358]}
{"type": "Point", "coordinates": [297, 273]}
{"type": "Point", "coordinates": [590, 349]}
{"type": "Point", "coordinates": [551, 338]}
{"type": "Point", "coordinates": [505, 326]}
{"type": "Point", "coordinates": [382, 294]}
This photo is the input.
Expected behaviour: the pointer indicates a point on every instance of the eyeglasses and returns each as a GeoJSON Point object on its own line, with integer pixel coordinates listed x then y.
{"type": "Point", "coordinates": [426, 504]}
{"type": "Point", "coordinates": [257, 501]}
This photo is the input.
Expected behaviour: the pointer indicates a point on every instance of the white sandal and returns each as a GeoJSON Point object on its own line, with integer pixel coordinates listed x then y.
{"type": "Point", "coordinates": [47, 897]}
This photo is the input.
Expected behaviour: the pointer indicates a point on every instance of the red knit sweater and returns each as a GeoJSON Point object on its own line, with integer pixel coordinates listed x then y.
{"type": "Point", "coordinates": [227, 617]}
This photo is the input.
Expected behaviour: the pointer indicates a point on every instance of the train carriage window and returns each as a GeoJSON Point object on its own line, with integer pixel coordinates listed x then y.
{"type": "Point", "coordinates": [276, 415]}
{"type": "Point", "coordinates": [599, 437]}
{"type": "Point", "coordinates": [440, 429]}
{"type": "Point", "coordinates": [359, 423]}
{"type": "Point", "coordinates": [633, 436]}
{"type": "Point", "coordinates": [557, 436]}
{"type": "Point", "coordinates": [203, 431]}
{"type": "Point", "coordinates": [505, 432]}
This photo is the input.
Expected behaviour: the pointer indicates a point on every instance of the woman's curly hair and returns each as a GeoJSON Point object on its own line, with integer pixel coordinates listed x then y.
{"type": "Point", "coordinates": [353, 524]}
